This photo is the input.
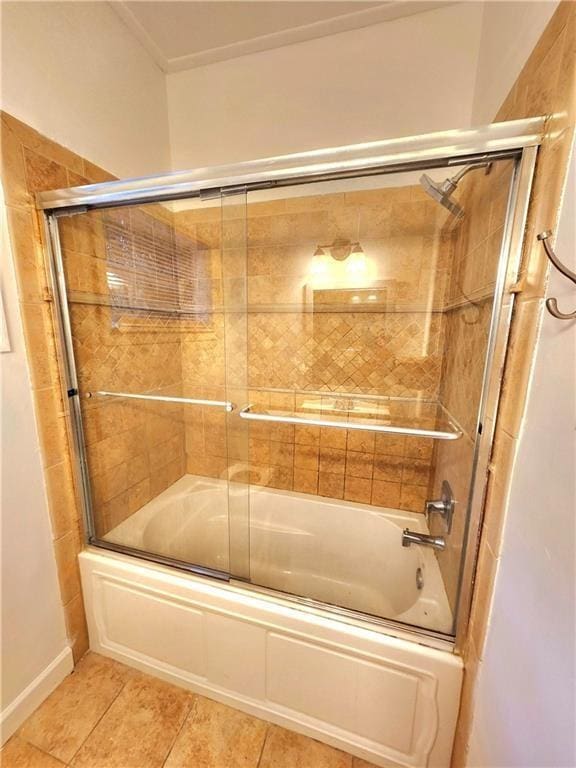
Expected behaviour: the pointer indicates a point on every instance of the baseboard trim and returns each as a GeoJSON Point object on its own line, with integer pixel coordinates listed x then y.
{"type": "Point", "coordinates": [35, 693]}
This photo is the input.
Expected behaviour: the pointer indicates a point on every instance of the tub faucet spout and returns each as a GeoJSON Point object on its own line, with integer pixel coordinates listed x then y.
{"type": "Point", "coordinates": [411, 537]}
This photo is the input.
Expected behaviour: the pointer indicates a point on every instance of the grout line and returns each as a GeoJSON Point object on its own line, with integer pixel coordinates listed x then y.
{"type": "Point", "coordinates": [30, 743]}
{"type": "Point", "coordinates": [188, 715]}
{"type": "Point", "coordinates": [263, 745]}
{"type": "Point", "coordinates": [107, 708]}
{"type": "Point", "coordinates": [41, 749]}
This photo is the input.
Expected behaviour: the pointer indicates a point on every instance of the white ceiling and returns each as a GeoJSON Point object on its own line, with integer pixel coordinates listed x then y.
{"type": "Point", "coordinates": [192, 33]}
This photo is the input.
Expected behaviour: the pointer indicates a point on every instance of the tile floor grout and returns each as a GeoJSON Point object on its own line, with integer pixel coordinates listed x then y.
{"type": "Point", "coordinates": [40, 749]}
{"type": "Point", "coordinates": [188, 715]}
{"type": "Point", "coordinates": [69, 763]}
{"type": "Point", "coordinates": [263, 745]}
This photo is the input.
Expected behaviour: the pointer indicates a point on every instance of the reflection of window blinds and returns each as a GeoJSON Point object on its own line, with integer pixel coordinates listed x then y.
{"type": "Point", "coordinates": [152, 267]}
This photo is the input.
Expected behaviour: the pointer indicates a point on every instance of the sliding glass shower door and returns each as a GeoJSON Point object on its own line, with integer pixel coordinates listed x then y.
{"type": "Point", "coordinates": [275, 384]}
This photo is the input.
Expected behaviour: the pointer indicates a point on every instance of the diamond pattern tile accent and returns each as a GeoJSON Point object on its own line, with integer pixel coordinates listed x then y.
{"type": "Point", "coordinates": [398, 355]}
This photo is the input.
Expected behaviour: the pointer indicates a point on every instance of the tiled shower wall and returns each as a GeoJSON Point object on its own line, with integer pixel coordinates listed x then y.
{"type": "Point", "coordinates": [305, 337]}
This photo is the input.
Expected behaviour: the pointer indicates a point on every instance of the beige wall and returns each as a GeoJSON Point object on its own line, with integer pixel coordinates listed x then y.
{"type": "Point", "coordinates": [75, 73]}
{"type": "Point", "coordinates": [456, 63]}
{"type": "Point", "coordinates": [397, 78]}
{"type": "Point", "coordinates": [510, 30]}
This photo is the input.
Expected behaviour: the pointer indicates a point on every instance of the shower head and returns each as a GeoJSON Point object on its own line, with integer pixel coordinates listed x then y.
{"type": "Point", "coordinates": [442, 191]}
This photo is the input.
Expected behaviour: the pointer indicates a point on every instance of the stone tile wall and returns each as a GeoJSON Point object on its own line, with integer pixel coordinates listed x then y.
{"type": "Point", "coordinates": [303, 335]}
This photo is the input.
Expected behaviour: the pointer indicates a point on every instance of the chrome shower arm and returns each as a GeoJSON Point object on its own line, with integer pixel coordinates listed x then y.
{"type": "Point", "coordinates": [467, 168]}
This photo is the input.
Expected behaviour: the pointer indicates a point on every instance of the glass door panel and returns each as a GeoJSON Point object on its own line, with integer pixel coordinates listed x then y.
{"type": "Point", "coordinates": [368, 313]}
{"type": "Point", "coordinates": [143, 309]}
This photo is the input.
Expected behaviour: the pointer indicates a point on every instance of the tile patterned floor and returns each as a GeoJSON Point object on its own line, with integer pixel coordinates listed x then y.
{"type": "Point", "coordinates": [107, 715]}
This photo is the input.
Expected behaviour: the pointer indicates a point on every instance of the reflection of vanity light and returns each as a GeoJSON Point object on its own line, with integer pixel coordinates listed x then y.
{"type": "Point", "coordinates": [320, 266]}
{"type": "Point", "coordinates": [356, 262]}
{"type": "Point", "coordinates": [372, 297]}
{"type": "Point", "coordinates": [342, 263]}
{"type": "Point", "coordinates": [355, 299]}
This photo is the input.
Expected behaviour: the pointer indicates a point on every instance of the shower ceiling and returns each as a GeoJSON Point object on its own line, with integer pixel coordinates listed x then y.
{"type": "Point", "coordinates": [183, 35]}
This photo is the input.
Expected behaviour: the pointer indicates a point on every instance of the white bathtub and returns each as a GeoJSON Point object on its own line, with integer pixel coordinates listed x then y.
{"type": "Point", "coordinates": [367, 689]}
{"type": "Point", "coordinates": [337, 552]}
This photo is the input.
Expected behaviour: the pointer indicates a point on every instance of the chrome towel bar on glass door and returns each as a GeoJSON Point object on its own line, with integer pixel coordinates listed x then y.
{"type": "Point", "coordinates": [226, 404]}
{"type": "Point", "coordinates": [246, 413]}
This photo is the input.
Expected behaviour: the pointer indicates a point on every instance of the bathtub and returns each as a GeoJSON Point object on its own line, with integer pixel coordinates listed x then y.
{"type": "Point", "coordinates": [364, 687]}
{"type": "Point", "coordinates": [336, 552]}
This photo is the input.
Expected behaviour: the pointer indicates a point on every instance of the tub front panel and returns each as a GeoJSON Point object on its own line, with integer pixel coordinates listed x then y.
{"type": "Point", "coordinates": [285, 665]}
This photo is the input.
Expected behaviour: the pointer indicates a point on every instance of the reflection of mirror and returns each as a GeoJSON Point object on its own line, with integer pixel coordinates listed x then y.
{"type": "Point", "coordinates": [349, 299]}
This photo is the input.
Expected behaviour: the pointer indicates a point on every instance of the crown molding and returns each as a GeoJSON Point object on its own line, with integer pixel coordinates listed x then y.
{"type": "Point", "coordinates": [387, 11]}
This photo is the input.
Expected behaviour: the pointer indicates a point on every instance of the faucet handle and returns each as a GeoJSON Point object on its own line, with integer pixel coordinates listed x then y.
{"type": "Point", "coordinates": [443, 506]}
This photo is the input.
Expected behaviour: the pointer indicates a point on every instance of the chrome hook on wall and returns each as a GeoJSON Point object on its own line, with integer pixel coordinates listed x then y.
{"type": "Point", "coordinates": [552, 304]}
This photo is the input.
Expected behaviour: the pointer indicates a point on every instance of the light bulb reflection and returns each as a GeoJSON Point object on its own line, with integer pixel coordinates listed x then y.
{"type": "Point", "coordinates": [320, 265]}
{"type": "Point", "coordinates": [356, 264]}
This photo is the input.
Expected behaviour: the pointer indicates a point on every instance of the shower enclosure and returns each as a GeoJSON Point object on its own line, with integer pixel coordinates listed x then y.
{"type": "Point", "coordinates": [285, 373]}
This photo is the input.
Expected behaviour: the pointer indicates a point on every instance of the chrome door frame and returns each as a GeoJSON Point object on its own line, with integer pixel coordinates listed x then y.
{"type": "Point", "coordinates": [517, 139]}
{"type": "Point", "coordinates": [443, 148]}
{"type": "Point", "coordinates": [504, 299]}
